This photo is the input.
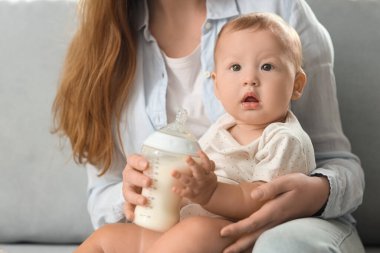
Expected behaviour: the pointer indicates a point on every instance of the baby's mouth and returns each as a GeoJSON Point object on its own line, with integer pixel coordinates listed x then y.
{"type": "Point", "coordinates": [250, 97]}
{"type": "Point", "coordinates": [250, 101]}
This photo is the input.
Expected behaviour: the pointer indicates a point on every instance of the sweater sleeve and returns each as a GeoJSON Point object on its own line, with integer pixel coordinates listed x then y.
{"type": "Point", "coordinates": [105, 198]}
{"type": "Point", "coordinates": [318, 113]}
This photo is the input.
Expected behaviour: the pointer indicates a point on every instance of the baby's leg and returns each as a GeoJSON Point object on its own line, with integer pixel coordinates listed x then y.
{"type": "Point", "coordinates": [120, 237]}
{"type": "Point", "coordinates": [195, 234]}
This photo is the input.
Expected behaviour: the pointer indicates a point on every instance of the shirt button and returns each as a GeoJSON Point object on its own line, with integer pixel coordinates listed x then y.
{"type": "Point", "coordinates": [208, 25]}
{"type": "Point", "coordinates": [207, 74]}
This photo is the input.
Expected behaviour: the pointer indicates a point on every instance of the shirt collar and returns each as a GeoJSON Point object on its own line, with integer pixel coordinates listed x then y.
{"type": "Point", "coordinates": [220, 9]}
{"type": "Point", "coordinates": [216, 9]}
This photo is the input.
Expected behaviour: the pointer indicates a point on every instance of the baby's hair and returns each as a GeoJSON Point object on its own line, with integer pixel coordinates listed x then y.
{"type": "Point", "coordinates": [286, 35]}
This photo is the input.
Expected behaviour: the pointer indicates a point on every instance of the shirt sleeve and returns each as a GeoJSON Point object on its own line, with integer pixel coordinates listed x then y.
{"type": "Point", "coordinates": [105, 197]}
{"type": "Point", "coordinates": [282, 154]}
{"type": "Point", "coordinates": [318, 113]}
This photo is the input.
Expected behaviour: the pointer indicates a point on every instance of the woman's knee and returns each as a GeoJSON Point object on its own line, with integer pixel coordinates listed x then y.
{"type": "Point", "coordinates": [304, 235]}
{"type": "Point", "coordinates": [278, 241]}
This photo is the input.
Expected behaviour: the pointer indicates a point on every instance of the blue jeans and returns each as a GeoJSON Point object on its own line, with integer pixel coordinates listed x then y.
{"type": "Point", "coordinates": [310, 235]}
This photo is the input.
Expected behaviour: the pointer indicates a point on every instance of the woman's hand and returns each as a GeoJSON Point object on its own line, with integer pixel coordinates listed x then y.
{"type": "Point", "coordinates": [199, 183]}
{"type": "Point", "coordinates": [287, 197]}
{"type": "Point", "coordinates": [133, 182]}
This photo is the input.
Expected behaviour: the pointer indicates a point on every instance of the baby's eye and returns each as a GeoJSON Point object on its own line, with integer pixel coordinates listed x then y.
{"type": "Point", "coordinates": [235, 67]}
{"type": "Point", "coordinates": [267, 67]}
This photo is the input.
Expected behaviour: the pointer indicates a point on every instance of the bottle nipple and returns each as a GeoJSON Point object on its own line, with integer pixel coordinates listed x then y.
{"type": "Point", "coordinates": [174, 137]}
{"type": "Point", "coordinates": [180, 119]}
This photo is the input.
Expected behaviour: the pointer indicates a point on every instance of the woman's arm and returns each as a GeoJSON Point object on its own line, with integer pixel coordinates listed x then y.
{"type": "Point", "coordinates": [287, 197]}
{"type": "Point", "coordinates": [318, 113]}
{"type": "Point", "coordinates": [105, 197]}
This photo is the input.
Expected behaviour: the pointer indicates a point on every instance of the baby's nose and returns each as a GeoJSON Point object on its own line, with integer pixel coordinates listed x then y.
{"type": "Point", "coordinates": [251, 82]}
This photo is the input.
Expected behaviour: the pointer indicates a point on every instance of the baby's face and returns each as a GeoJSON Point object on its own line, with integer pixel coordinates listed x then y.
{"type": "Point", "coordinates": [254, 77]}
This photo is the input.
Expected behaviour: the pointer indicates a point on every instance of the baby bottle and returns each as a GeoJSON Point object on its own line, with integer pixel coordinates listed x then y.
{"type": "Point", "coordinates": [166, 150]}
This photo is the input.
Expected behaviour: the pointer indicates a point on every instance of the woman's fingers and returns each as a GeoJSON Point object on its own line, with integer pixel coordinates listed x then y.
{"type": "Point", "coordinates": [245, 242]}
{"type": "Point", "coordinates": [273, 211]}
{"type": "Point", "coordinates": [241, 244]}
{"type": "Point", "coordinates": [129, 210]}
{"type": "Point", "coordinates": [251, 228]}
{"type": "Point", "coordinates": [137, 162]}
{"type": "Point", "coordinates": [134, 197]}
{"type": "Point", "coordinates": [133, 182]}
{"type": "Point", "coordinates": [132, 173]}
{"type": "Point", "coordinates": [296, 195]}
{"type": "Point", "coordinates": [285, 198]}
{"type": "Point", "coordinates": [256, 221]}
{"type": "Point", "coordinates": [266, 192]}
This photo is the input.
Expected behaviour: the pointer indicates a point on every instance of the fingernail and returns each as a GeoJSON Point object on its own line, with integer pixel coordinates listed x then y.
{"type": "Point", "coordinates": [146, 182]}
{"type": "Point", "coordinates": [143, 164]}
{"type": "Point", "coordinates": [224, 233]}
{"type": "Point", "coordinates": [130, 217]}
{"type": "Point", "coordinates": [142, 201]}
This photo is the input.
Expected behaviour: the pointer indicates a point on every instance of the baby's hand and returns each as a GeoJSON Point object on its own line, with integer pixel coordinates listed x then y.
{"type": "Point", "coordinates": [200, 183]}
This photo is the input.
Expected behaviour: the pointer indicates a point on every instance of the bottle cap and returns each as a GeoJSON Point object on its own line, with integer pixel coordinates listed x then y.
{"type": "Point", "coordinates": [174, 137]}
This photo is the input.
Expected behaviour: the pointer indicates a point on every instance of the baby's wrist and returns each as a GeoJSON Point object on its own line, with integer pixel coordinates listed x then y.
{"type": "Point", "coordinates": [210, 193]}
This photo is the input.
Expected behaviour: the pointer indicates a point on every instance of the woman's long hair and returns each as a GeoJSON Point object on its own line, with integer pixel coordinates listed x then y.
{"type": "Point", "coordinates": [97, 74]}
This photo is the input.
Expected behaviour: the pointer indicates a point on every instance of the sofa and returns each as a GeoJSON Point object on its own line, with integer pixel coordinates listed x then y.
{"type": "Point", "coordinates": [43, 192]}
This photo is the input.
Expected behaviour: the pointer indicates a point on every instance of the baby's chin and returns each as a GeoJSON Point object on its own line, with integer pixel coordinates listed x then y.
{"type": "Point", "coordinates": [258, 117]}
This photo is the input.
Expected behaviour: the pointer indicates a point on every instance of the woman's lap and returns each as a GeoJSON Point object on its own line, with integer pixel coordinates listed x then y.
{"type": "Point", "coordinates": [310, 235]}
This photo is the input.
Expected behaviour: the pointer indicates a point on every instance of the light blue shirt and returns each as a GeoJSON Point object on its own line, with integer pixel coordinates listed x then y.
{"type": "Point", "coordinates": [317, 110]}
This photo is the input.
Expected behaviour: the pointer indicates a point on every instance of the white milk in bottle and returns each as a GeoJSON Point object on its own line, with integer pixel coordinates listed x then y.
{"type": "Point", "coordinates": [165, 150]}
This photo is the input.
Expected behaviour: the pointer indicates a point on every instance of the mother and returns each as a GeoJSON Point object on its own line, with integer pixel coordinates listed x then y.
{"type": "Point", "coordinates": [131, 64]}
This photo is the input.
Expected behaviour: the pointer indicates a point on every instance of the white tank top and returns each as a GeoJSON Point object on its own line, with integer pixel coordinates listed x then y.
{"type": "Point", "coordinates": [185, 91]}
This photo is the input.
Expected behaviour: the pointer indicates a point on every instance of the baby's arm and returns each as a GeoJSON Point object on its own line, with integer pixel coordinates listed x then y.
{"type": "Point", "coordinates": [200, 186]}
{"type": "Point", "coordinates": [285, 152]}
{"type": "Point", "coordinates": [234, 200]}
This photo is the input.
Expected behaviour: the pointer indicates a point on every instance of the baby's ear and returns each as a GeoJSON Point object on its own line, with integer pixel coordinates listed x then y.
{"type": "Point", "coordinates": [216, 92]}
{"type": "Point", "coordinates": [213, 75]}
{"type": "Point", "coordinates": [299, 85]}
